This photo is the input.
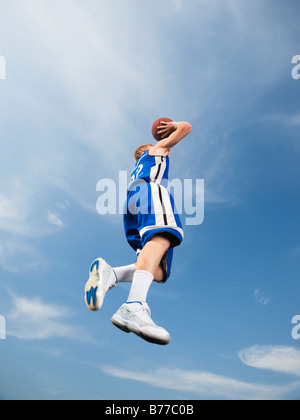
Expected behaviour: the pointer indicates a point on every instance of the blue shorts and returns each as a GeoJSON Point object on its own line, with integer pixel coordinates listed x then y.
{"type": "Point", "coordinates": [150, 210]}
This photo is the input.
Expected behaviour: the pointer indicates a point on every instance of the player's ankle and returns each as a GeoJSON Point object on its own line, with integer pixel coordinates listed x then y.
{"type": "Point", "coordinates": [142, 281]}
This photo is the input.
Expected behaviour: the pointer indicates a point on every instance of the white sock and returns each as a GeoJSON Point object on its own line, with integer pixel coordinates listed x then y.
{"type": "Point", "coordinates": [125, 274]}
{"type": "Point", "coordinates": [142, 281]}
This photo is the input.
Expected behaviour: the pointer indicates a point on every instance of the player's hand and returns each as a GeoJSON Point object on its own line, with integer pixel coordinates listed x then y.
{"type": "Point", "coordinates": [166, 129]}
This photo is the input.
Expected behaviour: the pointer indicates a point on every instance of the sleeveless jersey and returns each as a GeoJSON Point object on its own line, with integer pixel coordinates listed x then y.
{"type": "Point", "coordinates": [150, 208]}
{"type": "Point", "coordinates": [151, 169]}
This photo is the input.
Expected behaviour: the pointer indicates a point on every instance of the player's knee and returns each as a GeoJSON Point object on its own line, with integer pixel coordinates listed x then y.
{"type": "Point", "coordinates": [164, 239]}
{"type": "Point", "coordinates": [160, 276]}
{"type": "Point", "coordinates": [158, 280]}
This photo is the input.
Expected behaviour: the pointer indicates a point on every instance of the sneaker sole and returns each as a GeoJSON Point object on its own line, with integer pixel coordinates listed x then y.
{"type": "Point", "coordinates": [125, 327]}
{"type": "Point", "coordinates": [94, 291]}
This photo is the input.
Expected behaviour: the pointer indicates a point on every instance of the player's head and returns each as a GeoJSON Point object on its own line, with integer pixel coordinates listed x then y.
{"type": "Point", "coordinates": [140, 150]}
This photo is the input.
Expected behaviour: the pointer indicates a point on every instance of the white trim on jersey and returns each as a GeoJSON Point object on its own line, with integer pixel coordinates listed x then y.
{"type": "Point", "coordinates": [157, 171]}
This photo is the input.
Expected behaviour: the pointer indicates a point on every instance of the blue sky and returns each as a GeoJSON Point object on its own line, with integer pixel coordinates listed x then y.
{"type": "Point", "coordinates": [84, 82]}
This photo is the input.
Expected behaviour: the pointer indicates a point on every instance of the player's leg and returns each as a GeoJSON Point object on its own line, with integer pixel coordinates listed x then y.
{"type": "Point", "coordinates": [164, 271]}
{"type": "Point", "coordinates": [152, 254]}
{"type": "Point", "coordinates": [103, 277]}
{"type": "Point", "coordinates": [148, 267]}
{"type": "Point", "coordinates": [135, 315]}
{"type": "Point", "coordinates": [125, 274]}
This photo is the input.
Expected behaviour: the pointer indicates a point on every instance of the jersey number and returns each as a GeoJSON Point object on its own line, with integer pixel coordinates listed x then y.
{"type": "Point", "coordinates": [137, 173]}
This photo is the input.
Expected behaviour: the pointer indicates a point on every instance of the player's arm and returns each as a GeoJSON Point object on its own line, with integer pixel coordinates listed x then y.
{"type": "Point", "coordinates": [172, 133]}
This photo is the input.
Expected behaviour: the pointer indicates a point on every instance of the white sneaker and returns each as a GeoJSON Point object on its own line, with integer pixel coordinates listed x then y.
{"type": "Point", "coordinates": [102, 279]}
{"type": "Point", "coordinates": [136, 318]}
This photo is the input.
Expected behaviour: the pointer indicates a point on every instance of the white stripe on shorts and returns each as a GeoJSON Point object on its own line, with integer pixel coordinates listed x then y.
{"type": "Point", "coordinates": [164, 215]}
{"type": "Point", "coordinates": [146, 229]}
{"type": "Point", "coordinates": [157, 210]}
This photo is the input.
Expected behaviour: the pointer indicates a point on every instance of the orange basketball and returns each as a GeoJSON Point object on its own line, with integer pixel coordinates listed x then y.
{"type": "Point", "coordinates": [155, 127]}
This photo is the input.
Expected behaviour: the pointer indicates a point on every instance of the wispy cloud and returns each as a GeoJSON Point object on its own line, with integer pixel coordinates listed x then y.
{"type": "Point", "coordinates": [283, 119]}
{"type": "Point", "coordinates": [21, 207]}
{"type": "Point", "coordinates": [204, 384]}
{"type": "Point", "coordinates": [63, 205]}
{"type": "Point", "coordinates": [276, 358]}
{"type": "Point", "coordinates": [14, 209]}
{"type": "Point", "coordinates": [86, 94]}
{"type": "Point", "coordinates": [34, 319]}
{"type": "Point", "coordinates": [294, 120]}
{"type": "Point", "coordinates": [8, 211]}
{"type": "Point", "coordinates": [260, 298]}
{"type": "Point", "coordinates": [281, 359]}
{"type": "Point", "coordinates": [55, 220]}
{"type": "Point", "coordinates": [17, 255]}
{"type": "Point", "coordinates": [68, 106]}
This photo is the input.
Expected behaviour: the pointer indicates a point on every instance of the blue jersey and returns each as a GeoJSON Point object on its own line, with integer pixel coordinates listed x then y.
{"type": "Point", "coordinates": [151, 169]}
{"type": "Point", "coordinates": [150, 208]}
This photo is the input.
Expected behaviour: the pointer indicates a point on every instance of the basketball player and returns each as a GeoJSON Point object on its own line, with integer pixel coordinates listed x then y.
{"type": "Point", "coordinates": [153, 229]}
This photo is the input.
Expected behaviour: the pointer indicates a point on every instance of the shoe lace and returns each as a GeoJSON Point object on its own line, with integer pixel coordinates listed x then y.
{"type": "Point", "coordinates": [146, 313]}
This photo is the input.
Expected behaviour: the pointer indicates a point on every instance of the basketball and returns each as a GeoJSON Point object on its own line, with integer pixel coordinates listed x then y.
{"type": "Point", "coordinates": [155, 127]}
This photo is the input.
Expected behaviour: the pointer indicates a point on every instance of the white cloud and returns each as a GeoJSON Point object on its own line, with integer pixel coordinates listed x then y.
{"type": "Point", "coordinates": [287, 120]}
{"type": "Point", "coordinates": [276, 358]}
{"type": "Point", "coordinates": [176, 5]}
{"type": "Point", "coordinates": [293, 120]}
{"type": "Point", "coordinates": [94, 62]}
{"type": "Point", "coordinates": [63, 205]}
{"type": "Point", "coordinates": [7, 210]}
{"type": "Point", "coordinates": [86, 93]}
{"type": "Point", "coordinates": [13, 212]}
{"type": "Point", "coordinates": [204, 384]}
{"type": "Point", "coordinates": [21, 208]}
{"type": "Point", "coordinates": [71, 94]}
{"type": "Point", "coordinates": [16, 255]}
{"type": "Point", "coordinates": [34, 319]}
{"type": "Point", "coordinates": [55, 220]}
{"type": "Point", "coordinates": [260, 298]}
